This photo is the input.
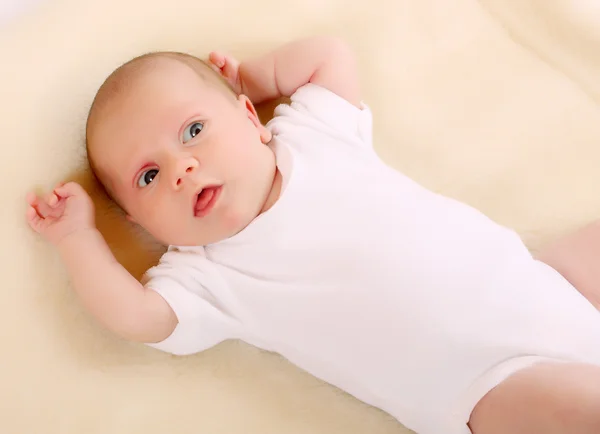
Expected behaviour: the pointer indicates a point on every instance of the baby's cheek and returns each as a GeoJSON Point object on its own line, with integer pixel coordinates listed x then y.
{"type": "Point", "coordinates": [159, 223]}
{"type": "Point", "coordinates": [234, 219]}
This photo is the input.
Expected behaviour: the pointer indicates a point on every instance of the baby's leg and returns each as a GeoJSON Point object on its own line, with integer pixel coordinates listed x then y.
{"type": "Point", "coordinates": [577, 258]}
{"type": "Point", "coordinates": [551, 398]}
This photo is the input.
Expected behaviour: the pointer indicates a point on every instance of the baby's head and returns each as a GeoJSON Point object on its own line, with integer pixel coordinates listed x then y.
{"type": "Point", "coordinates": [178, 150]}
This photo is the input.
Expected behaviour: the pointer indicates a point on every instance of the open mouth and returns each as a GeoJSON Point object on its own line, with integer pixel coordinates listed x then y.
{"type": "Point", "coordinates": [206, 199]}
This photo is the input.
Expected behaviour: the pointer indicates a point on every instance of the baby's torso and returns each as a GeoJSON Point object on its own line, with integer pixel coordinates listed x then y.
{"type": "Point", "coordinates": [357, 263]}
{"type": "Point", "coordinates": [365, 279]}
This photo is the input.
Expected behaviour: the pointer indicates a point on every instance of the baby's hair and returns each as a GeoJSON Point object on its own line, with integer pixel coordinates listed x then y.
{"type": "Point", "coordinates": [121, 79]}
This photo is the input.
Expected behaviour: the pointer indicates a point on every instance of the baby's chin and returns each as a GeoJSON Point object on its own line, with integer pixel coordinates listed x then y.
{"type": "Point", "coordinates": [228, 226]}
{"type": "Point", "coordinates": [192, 240]}
{"type": "Point", "coordinates": [234, 223]}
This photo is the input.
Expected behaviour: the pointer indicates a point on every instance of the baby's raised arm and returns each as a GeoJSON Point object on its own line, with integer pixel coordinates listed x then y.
{"type": "Point", "coordinates": [107, 290]}
{"type": "Point", "coordinates": [326, 61]}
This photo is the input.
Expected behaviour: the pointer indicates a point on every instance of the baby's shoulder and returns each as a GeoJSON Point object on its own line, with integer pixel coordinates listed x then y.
{"type": "Point", "coordinates": [319, 114]}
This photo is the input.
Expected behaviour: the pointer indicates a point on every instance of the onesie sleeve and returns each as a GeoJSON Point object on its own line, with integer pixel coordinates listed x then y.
{"type": "Point", "coordinates": [194, 290]}
{"type": "Point", "coordinates": [326, 110]}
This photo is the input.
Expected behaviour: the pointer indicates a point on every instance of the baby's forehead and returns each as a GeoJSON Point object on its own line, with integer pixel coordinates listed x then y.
{"type": "Point", "coordinates": [157, 72]}
{"type": "Point", "coordinates": [153, 72]}
{"type": "Point", "coordinates": [131, 83]}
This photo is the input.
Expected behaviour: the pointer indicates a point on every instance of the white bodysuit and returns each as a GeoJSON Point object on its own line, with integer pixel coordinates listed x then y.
{"type": "Point", "coordinates": [408, 300]}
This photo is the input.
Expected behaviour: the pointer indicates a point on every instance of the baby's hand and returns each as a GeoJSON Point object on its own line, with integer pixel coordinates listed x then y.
{"type": "Point", "coordinates": [66, 210]}
{"type": "Point", "coordinates": [228, 67]}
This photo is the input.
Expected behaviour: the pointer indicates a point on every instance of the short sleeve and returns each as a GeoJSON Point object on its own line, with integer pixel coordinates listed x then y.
{"type": "Point", "coordinates": [325, 109]}
{"type": "Point", "coordinates": [191, 286]}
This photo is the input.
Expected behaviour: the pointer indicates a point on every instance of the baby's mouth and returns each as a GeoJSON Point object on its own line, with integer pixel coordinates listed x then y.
{"type": "Point", "coordinates": [206, 199]}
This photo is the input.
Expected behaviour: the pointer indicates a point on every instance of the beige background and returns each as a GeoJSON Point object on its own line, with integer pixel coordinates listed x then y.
{"type": "Point", "coordinates": [494, 102]}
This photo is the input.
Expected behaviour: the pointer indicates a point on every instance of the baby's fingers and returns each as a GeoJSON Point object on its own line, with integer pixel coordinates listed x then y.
{"type": "Point", "coordinates": [40, 206]}
{"type": "Point", "coordinates": [31, 198]}
{"type": "Point", "coordinates": [217, 59]}
{"type": "Point", "coordinates": [55, 206]}
{"type": "Point", "coordinates": [69, 189]}
{"type": "Point", "coordinates": [226, 65]}
{"type": "Point", "coordinates": [52, 200]}
{"type": "Point", "coordinates": [33, 218]}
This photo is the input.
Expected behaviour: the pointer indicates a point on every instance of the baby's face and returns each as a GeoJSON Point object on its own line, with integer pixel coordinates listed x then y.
{"type": "Point", "coordinates": [188, 162]}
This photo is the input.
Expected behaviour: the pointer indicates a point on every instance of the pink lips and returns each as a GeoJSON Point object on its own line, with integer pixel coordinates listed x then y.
{"type": "Point", "coordinates": [206, 200]}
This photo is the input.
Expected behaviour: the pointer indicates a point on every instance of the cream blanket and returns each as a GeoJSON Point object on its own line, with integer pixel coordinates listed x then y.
{"type": "Point", "coordinates": [493, 102]}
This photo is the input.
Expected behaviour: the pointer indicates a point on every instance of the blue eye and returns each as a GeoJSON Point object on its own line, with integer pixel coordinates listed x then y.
{"type": "Point", "coordinates": [192, 131]}
{"type": "Point", "coordinates": [147, 177]}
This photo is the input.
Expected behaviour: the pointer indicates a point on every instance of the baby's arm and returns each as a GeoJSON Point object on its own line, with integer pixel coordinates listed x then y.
{"type": "Point", "coordinates": [326, 61]}
{"type": "Point", "coordinates": [106, 289]}
{"type": "Point", "coordinates": [111, 294]}
{"type": "Point", "coordinates": [575, 256]}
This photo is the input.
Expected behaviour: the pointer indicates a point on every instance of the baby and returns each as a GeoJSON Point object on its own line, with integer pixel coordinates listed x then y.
{"type": "Point", "coordinates": [296, 238]}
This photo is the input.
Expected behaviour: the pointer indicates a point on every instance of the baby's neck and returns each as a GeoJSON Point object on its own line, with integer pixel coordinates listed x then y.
{"type": "Point", "coordinates": [274, 193]}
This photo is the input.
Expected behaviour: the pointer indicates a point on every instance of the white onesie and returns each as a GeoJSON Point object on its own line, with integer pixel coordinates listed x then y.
{"type": "Point", "coordinates": [408, 300]}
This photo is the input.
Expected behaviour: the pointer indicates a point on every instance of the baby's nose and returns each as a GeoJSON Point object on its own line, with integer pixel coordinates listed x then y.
{"type": "Point", "coordinates": [183, 168]}
{"type": "Point", "coordinates": [179, 180]}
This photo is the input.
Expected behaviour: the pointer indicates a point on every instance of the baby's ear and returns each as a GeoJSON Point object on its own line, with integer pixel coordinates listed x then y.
{"type": "Point", "coordinates": [248, 107]}
{"type": "Point", "coordinates": [265, 133]}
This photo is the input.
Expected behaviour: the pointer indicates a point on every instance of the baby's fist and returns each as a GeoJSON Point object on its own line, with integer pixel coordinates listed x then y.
{"type": "Point", "coordinates": [66, 210]}
{"type": "Point", "coordinates": [228, 68]}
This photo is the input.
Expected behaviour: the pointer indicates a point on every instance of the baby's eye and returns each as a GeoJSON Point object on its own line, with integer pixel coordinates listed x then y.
{"type": "Point", "coordinates": [192, 131]}
{"type": "Point", "coordinates": [147, 177]}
